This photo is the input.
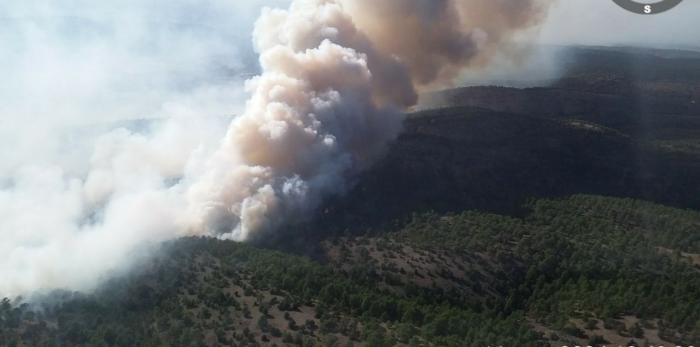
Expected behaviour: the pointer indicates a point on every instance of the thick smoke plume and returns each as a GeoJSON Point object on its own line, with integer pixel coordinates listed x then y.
{"type": "Point", "coordinates": [336, 76]}
{"type": "Point", "coordinates": [437, 39]}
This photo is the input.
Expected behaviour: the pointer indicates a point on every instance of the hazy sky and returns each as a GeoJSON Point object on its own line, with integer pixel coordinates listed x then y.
{"type": "Point", "coordinates": [75, 60]}
{"type": "Point", "coordinates": [596, 22]}
{"type": "Point", "coordinates": [602, 22]}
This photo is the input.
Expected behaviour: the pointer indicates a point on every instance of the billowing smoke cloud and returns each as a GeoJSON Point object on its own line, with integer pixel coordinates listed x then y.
{"type": "Point", "coordinates": [82, 185]}
{"type": "Point", "coordinates": [438, 39]}
{"type": "Point", "coordinates": [336, 75]}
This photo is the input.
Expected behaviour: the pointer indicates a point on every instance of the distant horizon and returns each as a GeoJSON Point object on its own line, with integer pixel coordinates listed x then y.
{"type": "Point", "coordinates": [604, 23]}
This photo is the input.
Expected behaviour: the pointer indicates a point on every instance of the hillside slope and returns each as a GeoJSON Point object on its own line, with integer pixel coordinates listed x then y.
{"type": "Point", "coordinates": [464, 158]}
{"type": "Point", "coordinates": [581, 269]}
{"type": "Point", "coordinates": [557, 215]}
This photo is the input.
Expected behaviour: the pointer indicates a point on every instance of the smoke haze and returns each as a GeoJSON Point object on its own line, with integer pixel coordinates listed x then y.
{"type": "Point", "coordinates": [585, 22]}
{"type": "Point", "coordinates": [335, 76]}
{"type": "Point", "coordinates": [78, 192]}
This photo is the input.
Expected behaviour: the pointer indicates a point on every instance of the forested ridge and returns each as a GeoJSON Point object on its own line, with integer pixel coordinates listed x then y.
{"type": "Point", "coordinates": [569, 269]}
{"type": "Point", "coordinates": [549, 216]}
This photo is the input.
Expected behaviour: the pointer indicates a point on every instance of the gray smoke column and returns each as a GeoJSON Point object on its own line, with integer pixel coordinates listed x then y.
{"type": "Point", "coordinates": [79, 202]}
{"type": "Point", "coordinates": [436, 39]}
{"type": "Point", "coordinates": [336, 76]}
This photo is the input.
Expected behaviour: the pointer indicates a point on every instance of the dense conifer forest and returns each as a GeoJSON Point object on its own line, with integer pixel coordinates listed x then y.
{"type": "Point", "coordinates": [583, 269]}
{"type": "Point", "coordinates": [565, 215]}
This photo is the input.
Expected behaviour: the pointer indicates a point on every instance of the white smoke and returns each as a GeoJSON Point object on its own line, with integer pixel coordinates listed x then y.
{"type": "Point", "coordinates": [328, 100]}
{"type": "Point", "coordinates": [336, 75]}
{"type": "Point", "coordinates": [82, 185]}
{"type": "Point", "coordinates": [312, 121]}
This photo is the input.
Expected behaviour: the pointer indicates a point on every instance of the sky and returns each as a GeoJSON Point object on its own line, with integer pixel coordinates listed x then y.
{"type": "Point", "coordinates": [189, 55]}
{"type": "Point", "coordinates": [601, 22]}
